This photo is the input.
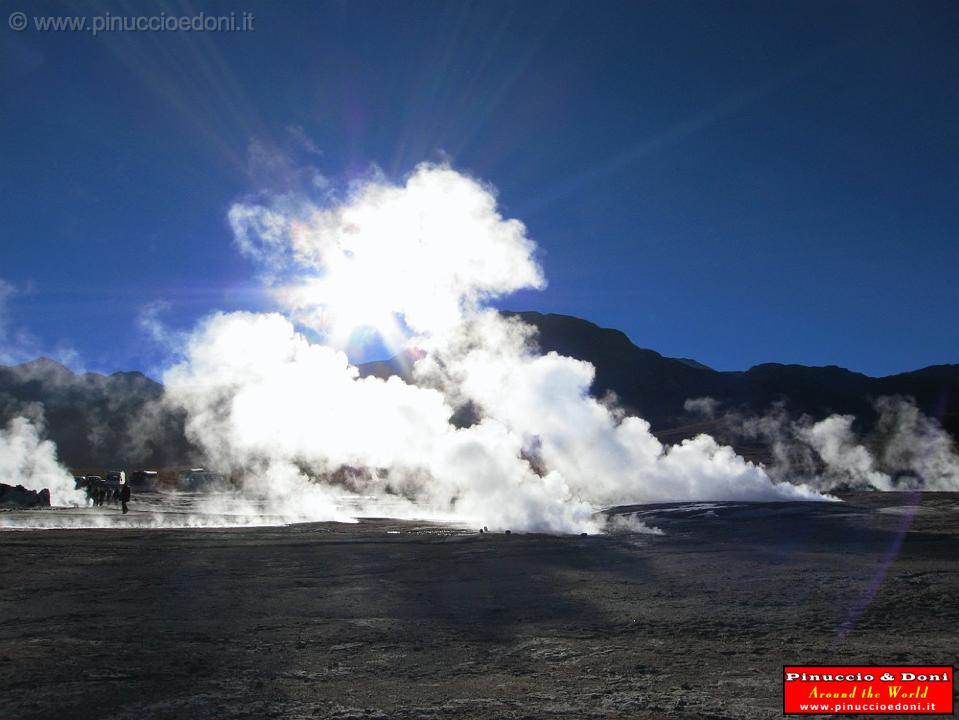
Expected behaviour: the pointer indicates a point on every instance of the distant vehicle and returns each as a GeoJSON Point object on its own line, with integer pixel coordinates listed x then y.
{"type": "Point", "coordinates": [80, 481]}
{"type": "Point", "coordinates": [200, 479]}
{"type": "Point", "coordinates": [144, 480]}
{"type": "Point", "coordinates": [115, 478]}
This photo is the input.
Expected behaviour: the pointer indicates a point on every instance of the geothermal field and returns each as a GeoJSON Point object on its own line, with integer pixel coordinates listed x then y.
{"type": "Point", "coordinates": [499, 515]}
{"type": "Point", "coordinates": [500, 360]}
{"type": "Point", "coordinates": [390, 618]}
{"type": "Point", "coordinates": [470, 529]}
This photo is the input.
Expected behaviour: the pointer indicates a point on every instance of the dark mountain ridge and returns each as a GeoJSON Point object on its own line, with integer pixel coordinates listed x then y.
{"type": "Point", "coordinates": [656, 386]}
{"type": "Point", "coordinates": [96, 420]}
{"type": "Point", "coordinates": [119, 419]}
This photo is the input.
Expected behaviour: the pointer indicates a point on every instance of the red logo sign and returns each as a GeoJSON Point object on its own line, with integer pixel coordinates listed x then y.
{"type": "Point", "coordinates": [868, 689]}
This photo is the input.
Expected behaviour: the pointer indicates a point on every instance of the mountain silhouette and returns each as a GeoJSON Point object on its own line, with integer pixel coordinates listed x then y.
{"type": "Point", "coordinates": [119, 420]}
{"type": "Point", "coordinates": [97, 421]}
{"type": "Point", "coordinates": [656, 387]}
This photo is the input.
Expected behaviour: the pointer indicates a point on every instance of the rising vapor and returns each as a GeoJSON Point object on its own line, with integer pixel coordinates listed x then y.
{"type": "Point", "coordinates": [27, 459]}
{"type": "Point", "coordinates": [418, 263]}
{"type": "Point", "coordinates": [906, 451]}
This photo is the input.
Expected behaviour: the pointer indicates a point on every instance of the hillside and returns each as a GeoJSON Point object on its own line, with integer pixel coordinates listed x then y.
{"type": "Point", "coordinates": [96, 420]}
{"type": "Point", "coordinates": [99, 420]}
{"type": "Point", "coordinates": [656, 386]}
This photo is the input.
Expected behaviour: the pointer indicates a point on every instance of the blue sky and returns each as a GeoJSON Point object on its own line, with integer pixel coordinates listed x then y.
{"type": "Point", "coordinates": [734, 182]}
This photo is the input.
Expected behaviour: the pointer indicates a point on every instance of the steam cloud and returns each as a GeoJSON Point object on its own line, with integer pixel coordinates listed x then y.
{"type": "Point", "coordinates": [418, 262]}
{"type": "Point", "coordinates": [916, 447]}
{"type": "Point", "coordinates": [485, 429]}
{"type": "Point", "coordinates": [27, 460]}
{"type": "Point", "coordinates": [705, 406]}
{"type": "Point", "coordinates": [908, 450]}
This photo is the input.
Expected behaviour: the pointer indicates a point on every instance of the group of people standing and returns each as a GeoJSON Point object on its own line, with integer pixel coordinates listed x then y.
{"type": "Point", "coordinates": [114, 489]}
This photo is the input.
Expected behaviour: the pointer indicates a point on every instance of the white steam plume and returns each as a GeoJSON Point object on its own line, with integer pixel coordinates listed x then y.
{"type": "Point", "coordinates": [908, 449]}
{"type": "Point", "coordinates": [27, 460]}
{"type": "Point", "coordinates": [704, 406]}
{"type": "Point", "coordinates": [429, 252]}
{"type": "Point", "coordinates": [840, 450]}
{"type": "Point", "coordinates": [826, 454]}
{"type": "Point", "coordinates": [917, 445]}
{"type": "Point", "coordinates": [417, 262]}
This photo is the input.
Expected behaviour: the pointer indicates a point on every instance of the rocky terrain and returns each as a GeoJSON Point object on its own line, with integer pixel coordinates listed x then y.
{"type": "Point", "coordinates": [17, 496]}
{"type": "Point", "coordinates": [391, 619]}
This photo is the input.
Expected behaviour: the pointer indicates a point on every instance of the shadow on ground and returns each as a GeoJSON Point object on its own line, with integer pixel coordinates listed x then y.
{"type": "Point", "coordinates": [403, 620]}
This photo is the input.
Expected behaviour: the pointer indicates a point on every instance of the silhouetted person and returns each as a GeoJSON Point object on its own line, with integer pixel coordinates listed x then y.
{"type": "Point", "coordinates": [125, 496]}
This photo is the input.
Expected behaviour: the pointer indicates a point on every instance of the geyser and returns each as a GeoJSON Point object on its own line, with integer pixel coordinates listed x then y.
{"type": "Point", "coordinates": [27, 459]}
{"type": "Point", "coordinates": [419, 262]}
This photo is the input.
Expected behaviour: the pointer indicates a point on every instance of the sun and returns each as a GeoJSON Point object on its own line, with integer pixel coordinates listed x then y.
{"type": "Point", "coordinates": [347, 309]}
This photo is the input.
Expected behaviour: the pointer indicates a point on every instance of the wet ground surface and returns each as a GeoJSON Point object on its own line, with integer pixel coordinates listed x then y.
{"type": "Point", "coordinates": [391, 619]}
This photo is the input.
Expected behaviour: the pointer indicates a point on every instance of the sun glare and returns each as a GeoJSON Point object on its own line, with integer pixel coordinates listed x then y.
{"type": "Point", "coordinates": [345, 311]}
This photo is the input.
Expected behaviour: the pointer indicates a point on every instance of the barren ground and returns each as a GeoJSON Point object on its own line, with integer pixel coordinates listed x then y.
{"type": "Point", "coordinates": [389, 619]}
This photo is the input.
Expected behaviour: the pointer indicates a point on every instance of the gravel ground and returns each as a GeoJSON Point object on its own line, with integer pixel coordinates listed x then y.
{"type": "Point", "coordinates": [391, 619]}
